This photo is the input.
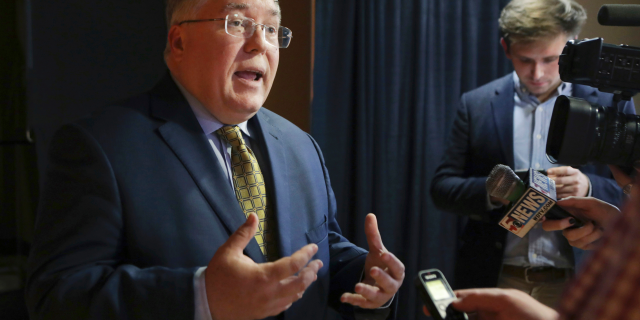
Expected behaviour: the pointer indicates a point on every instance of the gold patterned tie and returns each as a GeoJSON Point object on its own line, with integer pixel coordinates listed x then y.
{"type": "Point", "coordinates": [250, 189]}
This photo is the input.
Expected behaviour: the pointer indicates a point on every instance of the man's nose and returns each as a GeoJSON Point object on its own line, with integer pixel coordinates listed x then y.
{"type": "Point", "coordinates": [257, 41]}
{"type": "Point", "coordinates": [537, 71]}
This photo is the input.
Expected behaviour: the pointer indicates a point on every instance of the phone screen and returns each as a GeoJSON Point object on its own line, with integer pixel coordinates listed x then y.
{"type": "Point", "coordinates": [438, 290]}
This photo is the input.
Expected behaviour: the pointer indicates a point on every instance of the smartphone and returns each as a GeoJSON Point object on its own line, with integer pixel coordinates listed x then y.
{"type": "Point", "coordinates": [437, 295]}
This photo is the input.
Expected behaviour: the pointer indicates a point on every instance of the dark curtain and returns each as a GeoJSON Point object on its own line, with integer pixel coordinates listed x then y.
{"type": "Point", "coordinates": [83, 55]}
{"type": "Point", "coordinates": [388, 77]}
{"type": "Point", "coordinates": [18, 176]}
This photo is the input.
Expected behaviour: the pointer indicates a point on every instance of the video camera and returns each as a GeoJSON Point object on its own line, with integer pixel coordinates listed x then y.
{"type": "Point", "coordinates": [581, 132]}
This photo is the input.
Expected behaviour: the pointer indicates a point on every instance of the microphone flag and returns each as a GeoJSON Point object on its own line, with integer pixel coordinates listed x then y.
{"type": "Point", "coordinates": [538, 198]}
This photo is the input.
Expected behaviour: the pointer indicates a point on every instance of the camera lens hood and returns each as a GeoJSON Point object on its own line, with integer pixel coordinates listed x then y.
{"type": "Point", "coordinates": [571, 131]}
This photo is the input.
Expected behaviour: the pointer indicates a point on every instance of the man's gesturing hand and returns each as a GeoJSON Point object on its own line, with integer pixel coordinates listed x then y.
{"type": "Point", "coordinates": [238, 288]}
{"type": "Point", "coordinates": [383, 272]}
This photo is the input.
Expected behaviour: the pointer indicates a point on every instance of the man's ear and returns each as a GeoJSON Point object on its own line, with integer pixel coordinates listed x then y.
{"type": "Point", "coordinates": [505, 47]}
{"type": "Point", "coordinates": [176, 43]}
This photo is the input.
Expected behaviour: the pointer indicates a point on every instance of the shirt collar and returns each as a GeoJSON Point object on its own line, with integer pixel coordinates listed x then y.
{"type": "Point", "coordinates": [565, 88]}
{"type": "Point", "coordinates": [207, 121]}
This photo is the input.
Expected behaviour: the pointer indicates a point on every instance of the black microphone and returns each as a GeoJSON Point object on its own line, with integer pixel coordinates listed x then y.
{"type": "Point", "coordinates": [620, 15]}
{"type": "Point", "coordinates": [530, 201]}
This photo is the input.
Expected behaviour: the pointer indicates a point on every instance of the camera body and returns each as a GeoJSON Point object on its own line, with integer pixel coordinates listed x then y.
{"type": "Point", "coordinates": [610, 68]}
{"type": "Point", "coordinates": [581, 132]}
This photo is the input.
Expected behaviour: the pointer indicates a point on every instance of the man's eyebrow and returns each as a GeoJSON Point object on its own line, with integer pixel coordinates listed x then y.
{"type": "Point", "coordinates": [244, 6]}
{"type": "Point", "coordinates": [236, 6]}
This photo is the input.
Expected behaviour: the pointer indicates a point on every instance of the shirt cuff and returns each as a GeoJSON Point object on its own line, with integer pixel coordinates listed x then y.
{"type": "Point", "coordinates": [202, 311]}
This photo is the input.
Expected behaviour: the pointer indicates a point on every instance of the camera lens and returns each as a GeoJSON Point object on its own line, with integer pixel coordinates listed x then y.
{"type": "Point", "coordinates": [581, 132]}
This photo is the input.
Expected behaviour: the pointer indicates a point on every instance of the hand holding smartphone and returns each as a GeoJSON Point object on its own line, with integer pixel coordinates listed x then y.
{"type": "Point", "coordinates": [437, 295]}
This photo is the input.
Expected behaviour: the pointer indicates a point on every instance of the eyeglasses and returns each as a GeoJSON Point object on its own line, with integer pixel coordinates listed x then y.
{"type": "Point", "coordinates": [242, 27]}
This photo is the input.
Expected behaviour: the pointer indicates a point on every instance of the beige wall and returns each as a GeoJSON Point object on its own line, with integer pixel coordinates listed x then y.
{"type": "Point", "coordinates": [290, 96]}
{"type": "Point", "coordinates": [612, 35]}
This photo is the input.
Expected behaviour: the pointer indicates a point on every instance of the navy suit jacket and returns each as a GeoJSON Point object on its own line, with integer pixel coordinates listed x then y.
{"type": "Point", "coordinates": [481, 137]}
{"type": "Point", "coordinates": [134, 201]}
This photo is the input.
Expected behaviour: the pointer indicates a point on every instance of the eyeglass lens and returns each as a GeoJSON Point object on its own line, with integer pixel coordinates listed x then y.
{"type": "Point", "coordinates": [239, 26]}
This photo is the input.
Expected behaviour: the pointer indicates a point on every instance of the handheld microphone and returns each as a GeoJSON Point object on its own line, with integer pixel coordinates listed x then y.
{"type": "Point", "coordinates": [529, 202]}
{"type": "Point", "coordinates": [620, 15]}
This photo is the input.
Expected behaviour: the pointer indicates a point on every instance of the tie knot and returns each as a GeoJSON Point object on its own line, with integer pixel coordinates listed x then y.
{"type": "Point", "coordinates": [232, 135]}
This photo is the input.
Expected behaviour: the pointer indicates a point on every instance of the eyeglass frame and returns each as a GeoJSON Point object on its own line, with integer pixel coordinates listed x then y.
{"type": "Point", "coordinates": [254, 25]}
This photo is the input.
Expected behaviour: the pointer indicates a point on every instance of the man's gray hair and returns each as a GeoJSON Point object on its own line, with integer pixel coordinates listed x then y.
{"type": "Point", "coordinates": [178, 10]}
{"type": "Point", "coordinates": [529, 20]}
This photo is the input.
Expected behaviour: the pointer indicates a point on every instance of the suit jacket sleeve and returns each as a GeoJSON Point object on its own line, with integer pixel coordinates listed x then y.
{"type": "Point", "coordinates": [77, 268]}
{"type": "Point", "coordinates": [454, 187]}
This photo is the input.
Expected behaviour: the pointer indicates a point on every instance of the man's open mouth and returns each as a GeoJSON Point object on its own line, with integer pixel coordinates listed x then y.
{"type": "Point", "coordinates": [249, 75]}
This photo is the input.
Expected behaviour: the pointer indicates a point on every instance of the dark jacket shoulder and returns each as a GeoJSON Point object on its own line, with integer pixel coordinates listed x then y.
{"type": "Point", "coordinates": [489, 90]}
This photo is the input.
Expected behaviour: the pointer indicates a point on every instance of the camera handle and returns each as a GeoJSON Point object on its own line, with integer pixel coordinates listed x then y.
{"type": "Point", "coordinates": [620, 96]}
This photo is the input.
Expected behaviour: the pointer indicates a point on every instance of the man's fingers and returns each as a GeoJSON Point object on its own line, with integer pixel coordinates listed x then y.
{"type": "Point", "coordinates": [353, 298]}
{"type": "Point", "coordinates": [241, 237]}
{"type": "Point", "coordinates": [555, 225]}
{"type": "Point", "coordinates": [559, 171]}
{"type": "Point", "coordinates": [384, 281]}
{"type": "Point", "coordinates": [289, 266]}
{"type": "Point", "coordinates": [373, 296]}
{"type": "Point", "coordinates": [369, 292]}
{"type": "Point", "coordinates": [566, 181]}
{"type": "Point", "coordinates": [373, 234]}
{"type": "Point", "coordinates": [292, 286]}
{"type": "Point", "coordinates": [357, 300]}
{"type": "Point", "coordinates": [395, 267]}
{"type": "Point", "coordinates": [567, 191]}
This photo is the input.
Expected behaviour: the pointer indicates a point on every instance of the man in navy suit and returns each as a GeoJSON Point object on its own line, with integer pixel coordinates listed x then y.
{"type": "Point", "coordinates": [138, 216]}
{"type": "Point", "coordinates": [506, 122]}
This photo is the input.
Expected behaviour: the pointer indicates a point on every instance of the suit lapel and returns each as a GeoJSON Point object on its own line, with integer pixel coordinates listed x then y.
{"type": "Point", "coordinates": [502, 107]}
{"type": "Point", "coordinates": [273, 151]}
{"type": "Point", "coordinates": [184, 136]}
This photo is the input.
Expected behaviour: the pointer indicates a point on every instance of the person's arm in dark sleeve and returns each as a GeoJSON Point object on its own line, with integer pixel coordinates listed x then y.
{"type": "Point", "coordinates": [77, 267]}
{"type": "Point", "coordinates": [453, 189]}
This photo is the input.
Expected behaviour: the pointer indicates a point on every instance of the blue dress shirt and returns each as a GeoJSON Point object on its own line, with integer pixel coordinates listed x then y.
{"type": "Point", "coordinates": [531, 121]}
